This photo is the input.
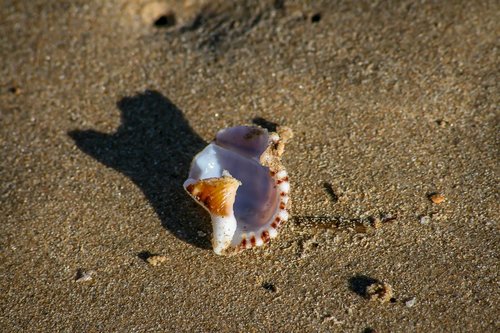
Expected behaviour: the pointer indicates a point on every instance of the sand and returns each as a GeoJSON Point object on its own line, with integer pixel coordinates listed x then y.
{"type": "Point", "coordinates": [104, 103]}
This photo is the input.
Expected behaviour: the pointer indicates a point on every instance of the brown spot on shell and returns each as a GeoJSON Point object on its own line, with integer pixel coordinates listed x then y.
{"type": "Point", "coordinates": [253, 240]}
{"type": "Point", "coordinates": [285, 179]}
{"type": "Point", "coordinates": [282, 194]}
{"type": "Point", "coordinates": [277, 220]}
{"type": "Point", "coordinates": [279, 181]}
{"type": "Point", "coordinates": [274, 225]}
{"type": "Point", "coordinates": [244, 243]}
{"type": "Point", "coordinates": [282, 205]}
{"type": "Point", "coordinates": [265, 236]}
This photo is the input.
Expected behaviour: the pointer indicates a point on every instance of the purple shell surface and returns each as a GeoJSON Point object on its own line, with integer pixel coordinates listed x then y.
{"type": "Point", "coordinates": [239, 179]}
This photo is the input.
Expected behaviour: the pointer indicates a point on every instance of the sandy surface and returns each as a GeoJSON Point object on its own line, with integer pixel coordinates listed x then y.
{"type": "Point", "coordinates": [102, 112]}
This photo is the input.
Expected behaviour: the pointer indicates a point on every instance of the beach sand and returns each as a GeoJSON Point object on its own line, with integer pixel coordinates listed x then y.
{"type": "Point", "coordinates": [103, 105]}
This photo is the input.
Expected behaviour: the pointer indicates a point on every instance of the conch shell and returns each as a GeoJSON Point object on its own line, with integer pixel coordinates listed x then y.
{"type": "Point", "coordinates": [239, 179]}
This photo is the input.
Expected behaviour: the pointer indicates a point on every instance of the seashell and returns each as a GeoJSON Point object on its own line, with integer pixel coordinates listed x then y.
{"type": "Point", "coordinates": [239, 179]}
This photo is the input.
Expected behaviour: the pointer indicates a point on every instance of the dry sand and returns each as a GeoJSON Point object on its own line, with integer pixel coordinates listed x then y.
{"type": "Point", "coordinates": [390, 101]}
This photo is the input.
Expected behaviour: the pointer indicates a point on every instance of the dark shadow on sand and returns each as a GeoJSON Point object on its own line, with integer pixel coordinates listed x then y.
{"type": "Point", "coordinates": [153, 146]}
{"type": "Point", "coordinates": [360, 283]}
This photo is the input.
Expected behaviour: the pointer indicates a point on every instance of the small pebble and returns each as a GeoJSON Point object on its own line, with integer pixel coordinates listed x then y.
{"type": "Point", "coordinates": [201, 233]}
{"type": "Point", "coordinates": [83, 276]}
{"type": "Point", "coordinates": [380, 291]}
{"type": "Point", "coordinates": [425, 219]}
{"type": "Point", "coordinates": [437, 198]}
{"type": "Point", "coordinates": [156, 260]}
{"type": "Point", "coordinates": [411, 302]}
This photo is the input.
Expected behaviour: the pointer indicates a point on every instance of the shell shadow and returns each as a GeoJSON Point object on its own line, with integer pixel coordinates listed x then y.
{"type": "Point", "coordinates": [153, 146]}
{"type": "Point", "coordinates": [359, 284]}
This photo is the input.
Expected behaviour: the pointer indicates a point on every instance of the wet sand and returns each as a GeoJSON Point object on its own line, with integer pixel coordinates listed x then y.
{"type": "Point", "coordinates": [104, 104]}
